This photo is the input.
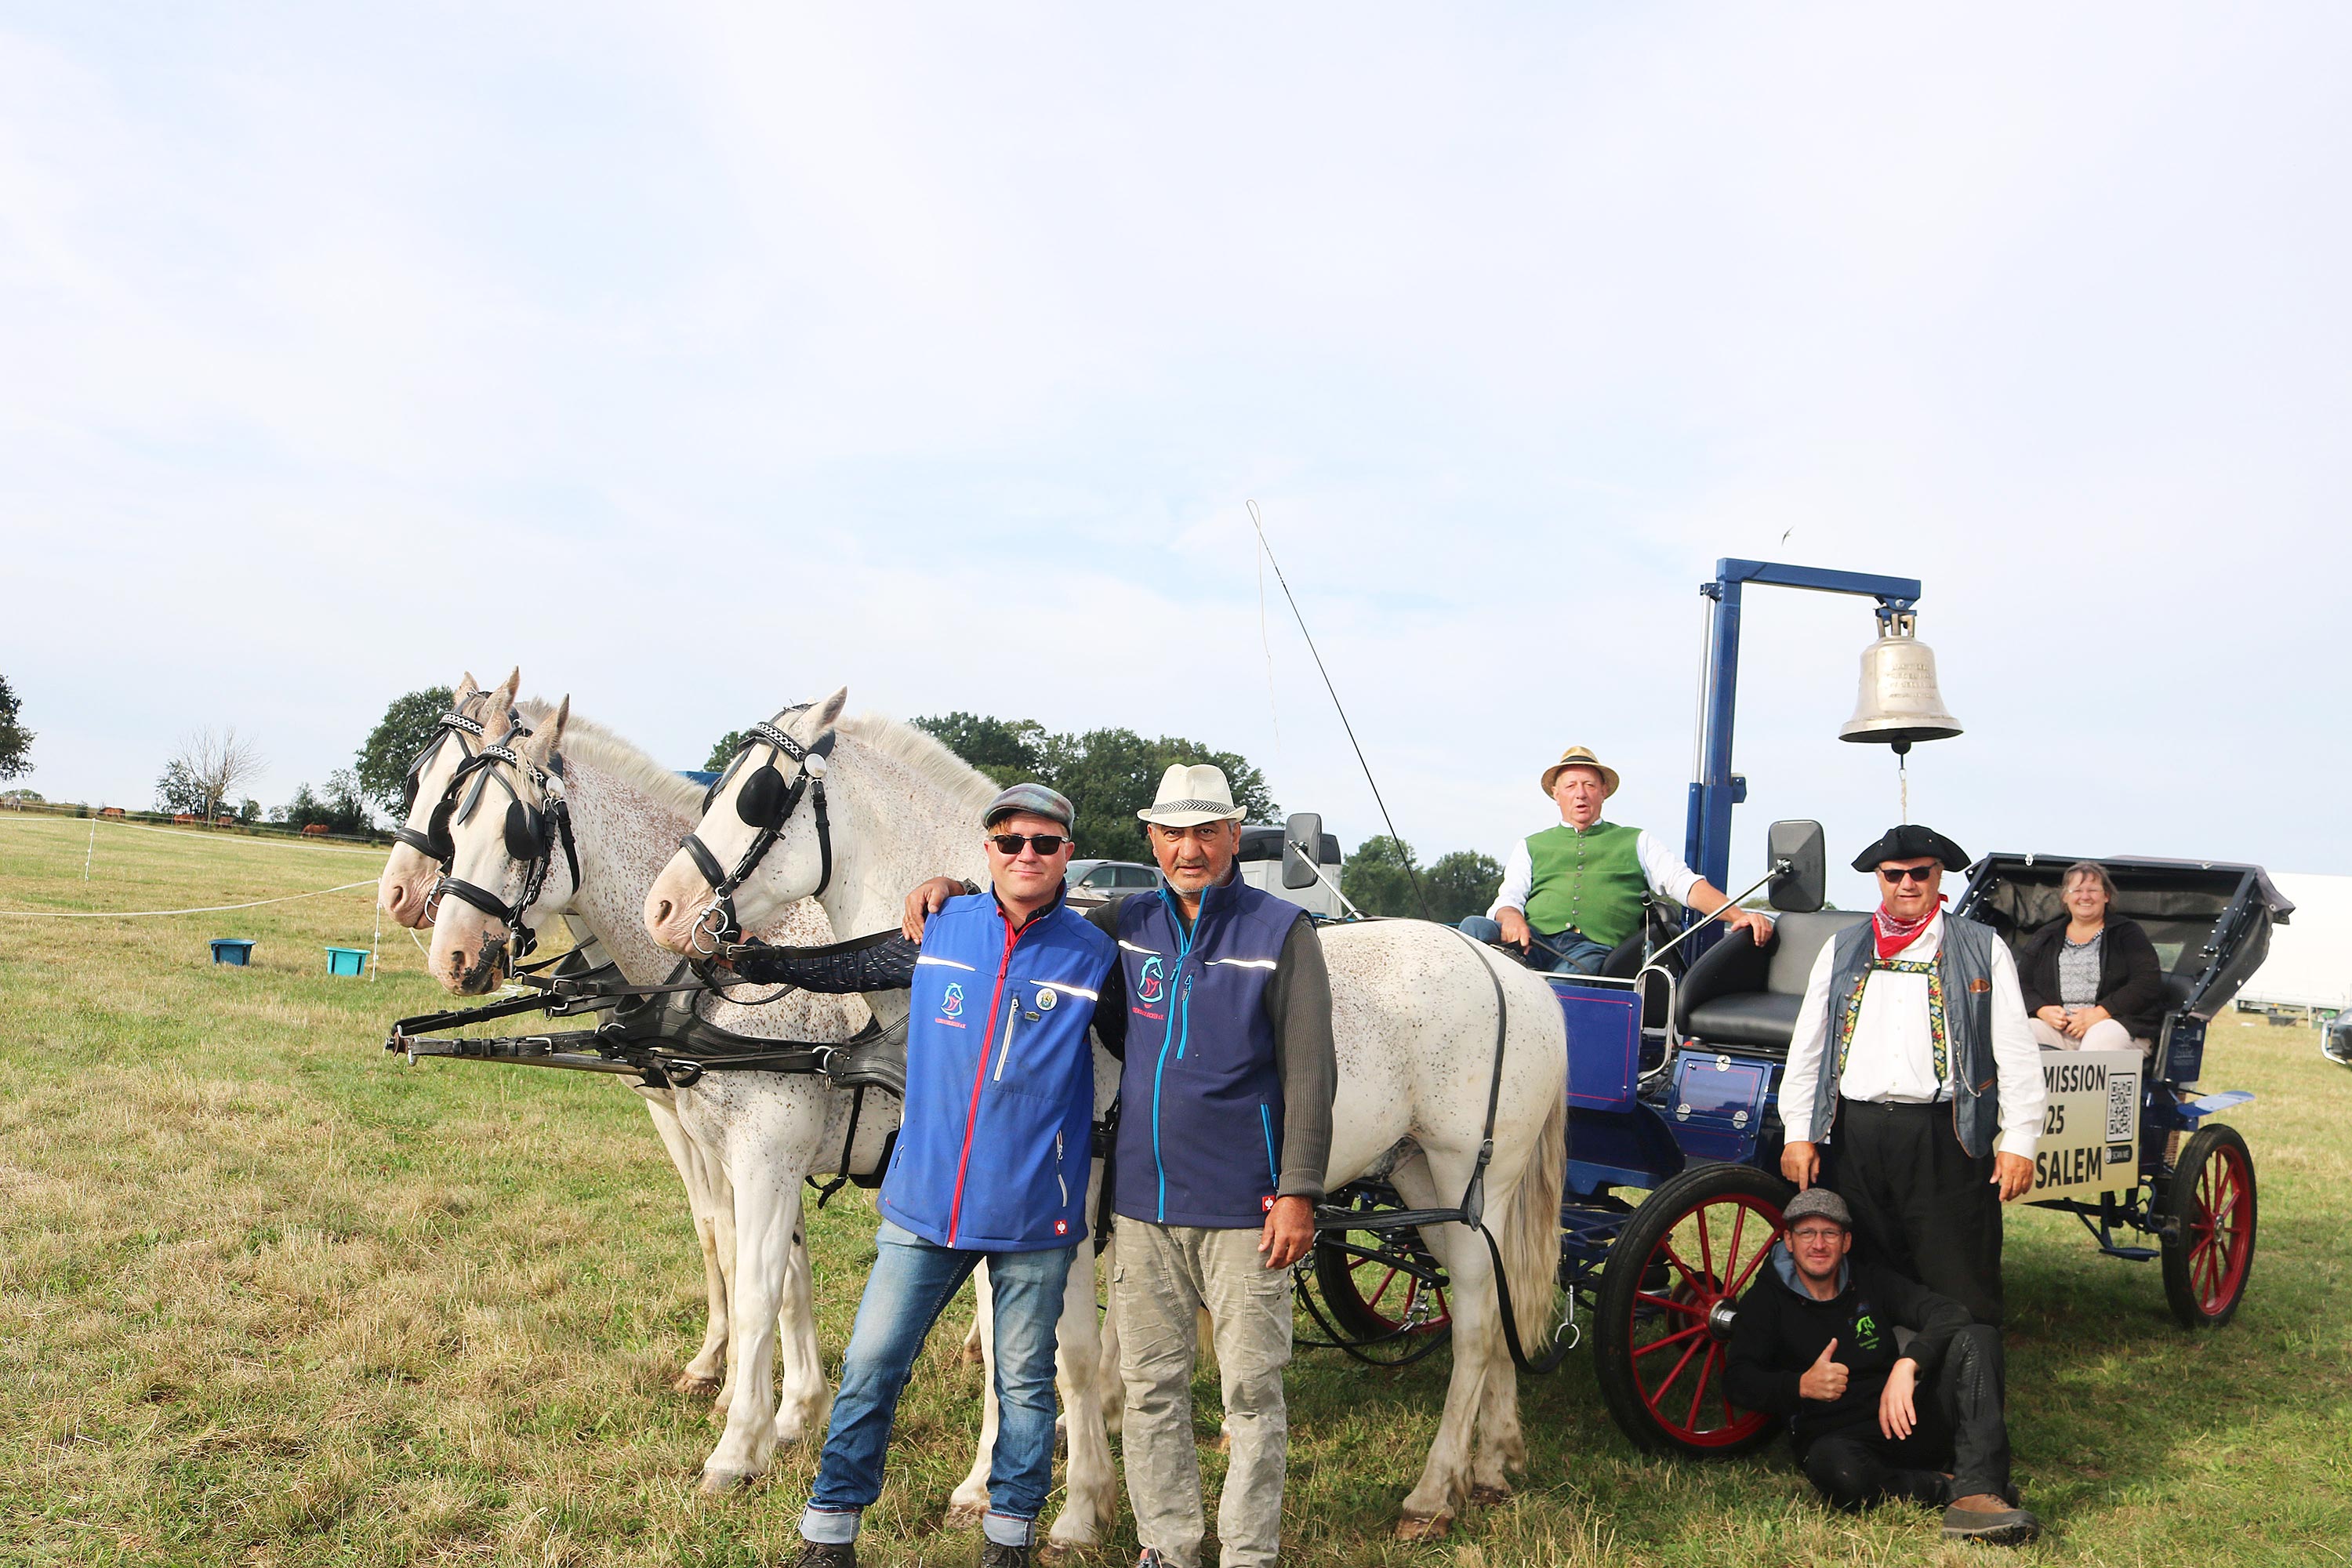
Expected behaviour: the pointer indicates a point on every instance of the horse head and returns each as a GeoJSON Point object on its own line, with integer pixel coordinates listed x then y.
{"type": "Point", "coordinates": [511, 854]}
{"type": "Point", "coordinates": [758, 848]}
{"type": "Point", "coordinates": [404, 890]}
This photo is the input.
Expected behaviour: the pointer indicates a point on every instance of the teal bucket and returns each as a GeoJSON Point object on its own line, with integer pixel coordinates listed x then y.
{"type": "Point", "coordinates": [347, 960]}
{"type": "Point", "coordinates": [235, 949]}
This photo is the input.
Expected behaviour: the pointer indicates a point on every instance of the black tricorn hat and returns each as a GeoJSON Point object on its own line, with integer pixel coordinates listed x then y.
{"type": "Point", "coordinates": [1909, 842]}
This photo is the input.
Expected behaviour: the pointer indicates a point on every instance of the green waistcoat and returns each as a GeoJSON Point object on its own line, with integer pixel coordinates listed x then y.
{"type": "Point", "coordinates": [1591, 881]}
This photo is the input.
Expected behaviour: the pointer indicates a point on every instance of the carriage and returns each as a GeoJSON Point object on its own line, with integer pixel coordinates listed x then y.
{"type": "Point", "coordinates": [1672, 1198]}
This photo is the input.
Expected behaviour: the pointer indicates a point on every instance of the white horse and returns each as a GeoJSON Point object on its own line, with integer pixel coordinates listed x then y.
{"type": "Point", "coordinates": [1414, 1017]}
{"type": "Point", "coordinates": [753, 1136]}
{"type": "Point", "coordinates": [906, 801]}
{"type": "Point", "coordinates": [404, 893]}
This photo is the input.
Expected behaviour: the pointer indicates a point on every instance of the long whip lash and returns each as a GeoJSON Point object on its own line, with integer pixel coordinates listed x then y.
{"type": "Point", "coordinates": [1419, 896]}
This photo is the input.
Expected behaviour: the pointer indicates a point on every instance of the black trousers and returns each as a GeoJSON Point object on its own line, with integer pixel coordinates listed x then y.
{"type": "Point", "coordinates": [1922, 1205]}
{"type": "Point", "coordinates": [1961, 1429]}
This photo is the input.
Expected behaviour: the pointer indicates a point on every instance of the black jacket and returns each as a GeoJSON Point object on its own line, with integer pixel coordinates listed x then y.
{"type": "Point", "coordinates": [2131, 981]}
{"type": "Point", "coordinates": [1780, 1331]}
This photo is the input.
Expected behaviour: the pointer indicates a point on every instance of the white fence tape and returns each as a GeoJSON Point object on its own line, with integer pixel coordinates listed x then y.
{"type": "Point", "coordinates": [206, 910]}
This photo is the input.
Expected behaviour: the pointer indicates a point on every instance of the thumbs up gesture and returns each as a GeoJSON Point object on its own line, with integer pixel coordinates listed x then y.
{"type": "Point", "coordinates": [1825, 1379]}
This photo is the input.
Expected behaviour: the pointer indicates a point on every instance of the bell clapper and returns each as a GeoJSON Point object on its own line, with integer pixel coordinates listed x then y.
{"type": "Point", "coordinates": [1903, 776]}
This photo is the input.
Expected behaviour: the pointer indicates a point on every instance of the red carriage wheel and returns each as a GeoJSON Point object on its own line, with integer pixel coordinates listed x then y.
{"type": "Point", "coordinates": [1391, 1312]}
{"type": "Point", "coordinates": [1668, 1293]}
{"type": "Point", "coordinates": [2210, 1248]}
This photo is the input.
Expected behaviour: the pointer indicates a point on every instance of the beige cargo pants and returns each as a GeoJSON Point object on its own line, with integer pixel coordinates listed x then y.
{"type": "Point", "coordinates": [1162, 1275]}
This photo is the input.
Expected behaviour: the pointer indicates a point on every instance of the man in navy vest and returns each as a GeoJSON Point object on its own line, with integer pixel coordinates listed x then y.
{"type": "Point", "coordinates": [1225, 1006]}
{"type": "Point", "coordinates": [990, 1164]}
{"type": "Point", "coordinates": [1912, 1048]}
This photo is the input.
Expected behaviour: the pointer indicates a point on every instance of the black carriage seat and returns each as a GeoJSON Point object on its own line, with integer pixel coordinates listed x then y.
{"type": "Point", "coordinates": [1738, 994]}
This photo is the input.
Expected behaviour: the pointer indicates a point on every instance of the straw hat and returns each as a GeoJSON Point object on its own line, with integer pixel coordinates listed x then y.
{"type": "Point", "coordinates": [1189, 795]}
{"type": "Point", "coordinates": [1581, 757]}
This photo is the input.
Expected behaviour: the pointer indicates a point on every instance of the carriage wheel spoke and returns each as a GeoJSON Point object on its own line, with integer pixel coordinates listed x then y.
{"type": "Point", "coordinates": [1705, 1253]}
{"type": "Point", "coordinates": [1762, 1253]}
{"type": "Point", "coordinates": [1670, 1339]}
{"type": "Point", "coordinates": [1705, 1368]}
{"type": "Point", "coordinates": [1671, 1304]}
{"type": "Point", "coordinates": [1698, 1282]}
{"type": "Point", "coordinates": [1696, 1346]}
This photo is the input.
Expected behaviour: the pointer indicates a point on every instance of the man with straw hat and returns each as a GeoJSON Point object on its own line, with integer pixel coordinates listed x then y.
{"type": "Point", "coordinates": [1573, 891]}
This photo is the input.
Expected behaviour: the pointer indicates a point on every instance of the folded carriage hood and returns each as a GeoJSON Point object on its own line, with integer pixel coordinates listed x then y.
{"type": "Point", "coordinates": [2211, 919]}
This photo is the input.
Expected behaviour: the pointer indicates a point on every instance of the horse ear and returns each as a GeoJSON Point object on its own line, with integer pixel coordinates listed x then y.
{"type": "Point", "coordinates": [549, 736]}
{"type": "Point", "coordinates": [466, 687]}
{"type": "Point", "coordinates": [503, 697]}
{"type": "Point", "coordinates": [822, 717]}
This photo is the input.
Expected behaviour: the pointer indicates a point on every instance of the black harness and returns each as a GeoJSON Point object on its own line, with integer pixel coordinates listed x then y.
{"type": "Point", "coordinates": [766, 803]}
{"type": "Point", "coordinates": [433, 842]}
{"type": "Point", "coordinates": [530, 837]}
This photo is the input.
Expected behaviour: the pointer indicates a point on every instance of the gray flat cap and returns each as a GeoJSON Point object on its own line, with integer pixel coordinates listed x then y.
{"type": "Point", "coordinates": [1030, 799]}
{"type": "Point", "coordinates": [1817, 1201]}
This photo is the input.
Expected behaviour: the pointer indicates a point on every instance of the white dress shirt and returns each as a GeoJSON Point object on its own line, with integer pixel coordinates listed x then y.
{"type": "Point", "coordinates": [1893, 1056]}
{"type": "Point", "coordinates": [1661, 867]}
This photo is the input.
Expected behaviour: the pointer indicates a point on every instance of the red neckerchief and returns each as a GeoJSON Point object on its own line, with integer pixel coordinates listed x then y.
{"type": "Point", "coordinates": [1893, 934]}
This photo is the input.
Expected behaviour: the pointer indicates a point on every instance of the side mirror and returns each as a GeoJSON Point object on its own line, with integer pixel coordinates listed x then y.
{"type": "Point", "coordinates": [1302, 840]}
{"type": "Point", "coordinates": [1801, 888]}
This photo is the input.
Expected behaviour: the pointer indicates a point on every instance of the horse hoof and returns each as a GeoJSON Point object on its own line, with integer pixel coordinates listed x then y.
{"type": "Point", "coordinates": [1490, 1497]}
{"type": "Point", "coordinates": [1431, 1529]}
{"type": "Point", "coordinates": [698, 1387]}
{"type": "Point", "coordinates": [962, 1516]}
{"type": "Point", "coordinates": [719, 1483]}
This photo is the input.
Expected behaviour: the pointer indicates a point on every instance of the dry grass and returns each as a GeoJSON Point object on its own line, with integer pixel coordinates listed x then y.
{"type": "Point", "coordinates": [268, 1295]}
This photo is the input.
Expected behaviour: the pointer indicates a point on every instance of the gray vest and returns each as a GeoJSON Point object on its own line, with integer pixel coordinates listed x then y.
{"type": "Point", "coordinates": [1964, 965]}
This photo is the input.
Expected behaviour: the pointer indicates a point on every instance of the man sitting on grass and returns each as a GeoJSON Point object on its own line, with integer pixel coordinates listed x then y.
{"type": "Point", "coordinates": [1815, 1344]}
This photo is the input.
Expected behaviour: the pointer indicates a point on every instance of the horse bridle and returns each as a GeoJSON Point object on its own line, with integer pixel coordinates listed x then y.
{"type": "Point", "coordinates": [532, 834]}
{"type": "Point", "coordinates": [765, 802]}
{"type": "Point", "coordinates": [434, 843]}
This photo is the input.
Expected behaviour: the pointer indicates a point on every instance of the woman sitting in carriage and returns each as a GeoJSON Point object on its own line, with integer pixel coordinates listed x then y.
{"type": "Point", "coordinates": [2091, 981]}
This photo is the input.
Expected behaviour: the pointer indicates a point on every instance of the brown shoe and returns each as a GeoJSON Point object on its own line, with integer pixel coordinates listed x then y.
{"type": "Point", "coordinates": [1990, 1518]}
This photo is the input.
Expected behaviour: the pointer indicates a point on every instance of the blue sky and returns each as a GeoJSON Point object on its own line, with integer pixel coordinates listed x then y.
{"type": "Point", "coordinates": [701, 359]}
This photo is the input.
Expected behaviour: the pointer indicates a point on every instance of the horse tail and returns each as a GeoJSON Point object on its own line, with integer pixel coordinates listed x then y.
{"type": "Point", "coordinates": [1529, 1242]}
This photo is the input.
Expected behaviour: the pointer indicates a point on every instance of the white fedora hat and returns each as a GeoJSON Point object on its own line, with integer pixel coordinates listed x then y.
{"type": "Point", "coordinates": [1193, 795]}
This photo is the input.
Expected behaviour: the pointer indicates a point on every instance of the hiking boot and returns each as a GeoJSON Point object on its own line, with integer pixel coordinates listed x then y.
{"type": "Point", "coordinates": [826, 1555]}
{"type": "Point", "coordinates": [996, 1554]}
{"type": "Point", "coordinates": [1983, 1517]}
{"type": "Point", "coordinates": [1930, 1487]}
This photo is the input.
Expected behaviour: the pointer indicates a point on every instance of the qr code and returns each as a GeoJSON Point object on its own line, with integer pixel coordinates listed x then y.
{"type": "Point", "coordinates": [2123, 1095]}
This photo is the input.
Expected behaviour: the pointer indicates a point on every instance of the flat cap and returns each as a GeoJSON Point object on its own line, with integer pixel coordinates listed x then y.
{"type": "Point", "coordinates": [1029, 799]}
{"type": "Point", "coordinates": [1821, 1201]}
{"type": "Point", "coordinates": [1909, 842]}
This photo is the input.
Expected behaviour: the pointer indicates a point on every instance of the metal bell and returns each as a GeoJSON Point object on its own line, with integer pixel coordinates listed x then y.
{"type": "Point", "coordinates": [1898, 702]}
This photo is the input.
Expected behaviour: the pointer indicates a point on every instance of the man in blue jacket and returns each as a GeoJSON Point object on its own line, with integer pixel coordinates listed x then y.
{"type": "Point", "coordinates": [990, 1164]}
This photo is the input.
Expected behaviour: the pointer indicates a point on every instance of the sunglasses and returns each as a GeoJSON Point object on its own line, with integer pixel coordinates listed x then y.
{"type": "Point", "coordinates": [1908, 873]}
{"type": "Point", "coordinates": [1009, 844]}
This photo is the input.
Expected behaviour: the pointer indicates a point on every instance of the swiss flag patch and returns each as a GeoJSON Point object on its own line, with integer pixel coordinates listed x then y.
{"type": "Point", "coordinates": [1061, 1227]}
{"type": "Point", "coordinates": [1265, 1203]}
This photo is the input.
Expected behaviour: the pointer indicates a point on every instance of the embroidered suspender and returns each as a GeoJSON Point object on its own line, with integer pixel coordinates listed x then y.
{"type": "Point", "coordinates": [1935, 1029]}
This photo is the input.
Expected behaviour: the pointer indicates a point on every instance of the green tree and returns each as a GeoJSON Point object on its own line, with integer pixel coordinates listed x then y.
{"type": "Point", "coordinates": [1009, 750]}
{"type": "Point", "coordinates": [179, 790]}
{"type": "Point", "coordinates": [15, 741]}
{"type": "Point", "coordinates": [1461, 884]}
{"type": "Point", "coordinates": [1378, 877]}
{"type": "Point", "coordinates": [341, 809]}
{"type": "Point", "coordinates": [722, 751]}
{"type": "Point", "coordinates": [1109, 774]}
{"type": "Point", "coordinates": [407, 730]}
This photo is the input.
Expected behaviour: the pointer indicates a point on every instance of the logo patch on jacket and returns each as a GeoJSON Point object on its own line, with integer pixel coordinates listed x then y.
{"type": "Point", "coordinates": [1865, 1331]}
{"type": "Point", "coordinates": [1061, 1227]}
{"type": "Point", "coordinates": [1265, 1203]}
{"type": "Point", "coordinates": [1152, 984]}
{"type": "Point", "coordinates": [954, 1006]}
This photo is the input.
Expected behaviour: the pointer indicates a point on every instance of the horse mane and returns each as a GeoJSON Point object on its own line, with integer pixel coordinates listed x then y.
{"type": "Point", "coordinates": [594, 744]}
{"type": "Point", "coordinates": [924, 755]}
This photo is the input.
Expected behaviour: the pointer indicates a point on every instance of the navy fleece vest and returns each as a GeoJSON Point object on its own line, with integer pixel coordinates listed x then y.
{"type": "Point", "coordinates": [1200, 1137]}
{"type": "Point", "coordinates": [995, 1145]}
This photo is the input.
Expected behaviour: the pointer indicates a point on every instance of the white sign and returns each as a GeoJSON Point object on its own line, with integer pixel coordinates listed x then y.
{"type": "Point", "coordinates": [2090, 1126]}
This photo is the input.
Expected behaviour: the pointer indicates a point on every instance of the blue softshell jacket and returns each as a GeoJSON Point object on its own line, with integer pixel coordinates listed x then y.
{"type": "Point", "coordinates": [995, 1144]}
{"type": "Point", "coordinates": [1200, 1138]}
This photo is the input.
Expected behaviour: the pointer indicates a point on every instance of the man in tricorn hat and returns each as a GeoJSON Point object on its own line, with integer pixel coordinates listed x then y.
{"type": "Point", "coordinates": [1573, 891]}
{"type": "Point", "coordinates": [1913, 1051]}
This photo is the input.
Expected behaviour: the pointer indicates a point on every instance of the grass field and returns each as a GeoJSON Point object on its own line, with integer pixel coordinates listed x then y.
{"type": "Point", "coordinates": [269, 1296]}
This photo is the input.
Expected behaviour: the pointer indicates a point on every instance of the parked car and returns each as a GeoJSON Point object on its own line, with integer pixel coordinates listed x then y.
{"type": "Point", "coordinates": [1093, 883]}
{"type": "Point", "coordinates": [2335, 1038]}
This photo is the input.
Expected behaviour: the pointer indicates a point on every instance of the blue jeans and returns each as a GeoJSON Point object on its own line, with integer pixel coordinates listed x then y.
{"type": "Point", "coordinates": [1569, 952]}
{"type": "Point", "coordinates": [912, 1282]}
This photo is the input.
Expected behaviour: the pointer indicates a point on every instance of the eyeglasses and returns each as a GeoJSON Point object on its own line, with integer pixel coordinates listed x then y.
{"type": "Point", "coordinates": [1908, 873]}
{"type": "Point", "coordinates": [1009, 844]}
{"type": "Point", "coordinates": [1816, 1235]}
